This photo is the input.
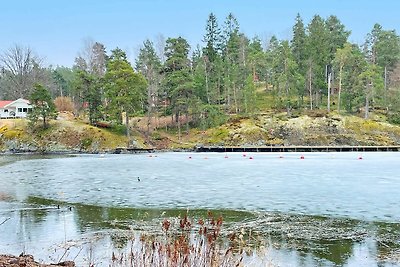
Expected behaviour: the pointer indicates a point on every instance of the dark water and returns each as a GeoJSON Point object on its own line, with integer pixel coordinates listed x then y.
{"type": "Point", "coordinates": [329, 209]}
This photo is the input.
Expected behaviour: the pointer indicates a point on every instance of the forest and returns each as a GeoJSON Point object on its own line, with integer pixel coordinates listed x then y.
{"type": "Point", "coordinates": [230, 73]}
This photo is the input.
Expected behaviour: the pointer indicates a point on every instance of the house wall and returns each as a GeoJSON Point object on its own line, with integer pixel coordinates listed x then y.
{"type": "Point", "coordinates": [20, 108]}
{"type": "Point", "coordinates": [4, 114]}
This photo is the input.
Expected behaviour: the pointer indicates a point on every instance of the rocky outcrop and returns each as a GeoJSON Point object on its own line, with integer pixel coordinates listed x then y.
{"type": "Point", "coordinates": [28, 261]}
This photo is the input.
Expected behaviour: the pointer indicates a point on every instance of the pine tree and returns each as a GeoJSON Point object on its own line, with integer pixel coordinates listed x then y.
{"type": "Point", "coordinates": [211, 57]}
{"type": "Point", "coordinates": [42, 105]}
{"type": "Point", "coordinates": [178, 80]}
{"type": "Point", "coordinates": [337, 35]}
{"type": "Point", "coordinates": [317, 55]}
{"type": "Point", "coordinates": [298, 44]}
{"type": "Point", "coordinates": [125, 89]}
{"type": "Point", "coordinates": [149, 65]}
{"type": "Point", "coordinates": [342, 56]}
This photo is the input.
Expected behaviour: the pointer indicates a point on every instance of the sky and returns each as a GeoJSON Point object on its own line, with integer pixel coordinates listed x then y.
{"type": "Point", "coordinates": [57, 29]}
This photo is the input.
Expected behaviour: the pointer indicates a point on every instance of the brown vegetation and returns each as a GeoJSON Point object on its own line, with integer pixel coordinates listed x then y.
{"type": "Point", "coordinates": [64, 103]}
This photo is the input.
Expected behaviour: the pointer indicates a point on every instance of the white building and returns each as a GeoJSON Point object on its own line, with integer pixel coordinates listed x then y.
{"type": "Point", "coordinates": [14, 109]}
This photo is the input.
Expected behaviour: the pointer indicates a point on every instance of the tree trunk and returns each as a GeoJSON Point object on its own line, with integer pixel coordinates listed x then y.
{"type": "Point", "coordinates": [206, 76]}
{"type": "Point", "coordinates": [179, 126]}
{"type": "Point", "coordinates": [340, 86]}
{"type": "Point", "coordinates": [128, 133]}
{"type": "Point", "coordinates": [329, 92]}
{"type": "Point", "coordinates": [310, 88]}
{"type": "Point", "coordinates": [366, 114]}
{"type": "Point", "coordinates": [235, 99]}
{"type": "Point", "coordinates": [385, 90]}
{"type": "Point", "coordinates": [187, 122]}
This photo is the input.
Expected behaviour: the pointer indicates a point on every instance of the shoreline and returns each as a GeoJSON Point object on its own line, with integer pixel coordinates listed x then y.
{"type": "Point", "coordinates": [215, 149]}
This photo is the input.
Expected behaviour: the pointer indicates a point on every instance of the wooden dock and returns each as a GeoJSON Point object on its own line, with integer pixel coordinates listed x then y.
{"type": "Point", "coordinates": [299, 149]}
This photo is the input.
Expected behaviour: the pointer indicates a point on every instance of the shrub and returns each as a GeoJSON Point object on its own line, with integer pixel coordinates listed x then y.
{"type": "Point", "coordinates": [394, 118]}
{"type": "Point", "coordinates": [64, 103]}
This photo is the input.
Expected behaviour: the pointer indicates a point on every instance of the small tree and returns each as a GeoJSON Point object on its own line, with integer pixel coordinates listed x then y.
{"type": "Point", "coordinates": [43, 106]}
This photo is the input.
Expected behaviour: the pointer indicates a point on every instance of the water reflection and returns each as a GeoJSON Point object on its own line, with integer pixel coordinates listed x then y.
{"type": "Point", "coordinates": [40, 224]}
{"type": "Point", "coordinates": [85, 208]}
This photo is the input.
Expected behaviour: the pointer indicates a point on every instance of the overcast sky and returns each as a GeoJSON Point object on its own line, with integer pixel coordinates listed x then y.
{"type": "Point", "coordinates": [56, 29]}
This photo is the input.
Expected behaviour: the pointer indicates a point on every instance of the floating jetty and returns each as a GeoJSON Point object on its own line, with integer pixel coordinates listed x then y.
{"type": "Point", "coordinates": [298, 149]}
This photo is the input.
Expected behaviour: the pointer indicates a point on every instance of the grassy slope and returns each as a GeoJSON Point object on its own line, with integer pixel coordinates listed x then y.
{"type": "Point", "coordinates": [62, 135]}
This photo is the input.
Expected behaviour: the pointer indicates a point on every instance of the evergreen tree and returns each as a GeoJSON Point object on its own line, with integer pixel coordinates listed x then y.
{"type": "Point", "coordinates": [42, 105]}
{"type": "Point", "coordinates": [212, 39]}
{"type": "Point", "coordinates": [342, 56]}
{"type": "Point", "coordinates": [178, 80]}
{"type": "Point", "coordinates": [318, 50]}
{"type": "Point", "coordinates": [88, 85]}
{"type": "Point", "coordinates": [211, 59]}
{"type": "Point", "coordinates": [355, 65]}
{"type": "Point", "coordinates": [287, 79]}
{"type": "Point", "coordinates": [382, 48]}
{"type": "Point", "coordinates": [63, 78]}
{"type": "Point", "coordinates": [233, 82]}
{"type": "Point", "coordinates": [149, 65]}
{"type": "Point", "coordinates": [371, 83]}
{"type": "Point", "coordinates": [256, 60]}
{"type": "Point", "coordinates": [125, 89]}
{"type": "Point", "coordinates": [298, 44]}
{"type": "Point", "coordinates": [336, 34]}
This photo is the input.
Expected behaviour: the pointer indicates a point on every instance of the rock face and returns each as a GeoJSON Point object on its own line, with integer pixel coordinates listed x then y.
{"type": "Point", "coordinates": [28, 261]}
{"type": "Point", "coordinates": [333, 130]}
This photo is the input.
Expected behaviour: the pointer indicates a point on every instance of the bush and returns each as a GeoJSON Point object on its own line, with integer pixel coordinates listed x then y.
{"type": "Point", "coordinates": [394, 118]}
{"type": "Point", "coordinates": [64, 103]}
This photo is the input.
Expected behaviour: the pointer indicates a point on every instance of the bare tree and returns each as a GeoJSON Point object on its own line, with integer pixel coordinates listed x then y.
{"type": "Point", "coordinates": [92, 58]}
{"type": "Point", "coordinates": [160, 47]}
{"type": "Point", "coordinates": [21, 69]}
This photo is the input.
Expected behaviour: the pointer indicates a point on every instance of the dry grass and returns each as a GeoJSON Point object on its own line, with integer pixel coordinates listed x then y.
{"type": "Point", "coordinates": [186, 243]}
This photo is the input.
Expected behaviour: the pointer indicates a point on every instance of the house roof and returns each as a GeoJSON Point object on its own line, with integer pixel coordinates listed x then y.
{"type": "Point", "coordinates": [4, 103]}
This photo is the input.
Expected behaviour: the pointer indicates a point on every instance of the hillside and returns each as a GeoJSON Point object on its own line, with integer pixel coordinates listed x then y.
{"type": "Point", "coordinates": [65, 134]}
{"type": "Point", "coordinates": [68, 134]}
{"type": "Point", "coordinates": [266, 130]}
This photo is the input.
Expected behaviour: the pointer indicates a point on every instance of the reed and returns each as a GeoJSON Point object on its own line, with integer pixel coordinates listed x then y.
{"type": "Point", "coordinates": [183, 242]}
